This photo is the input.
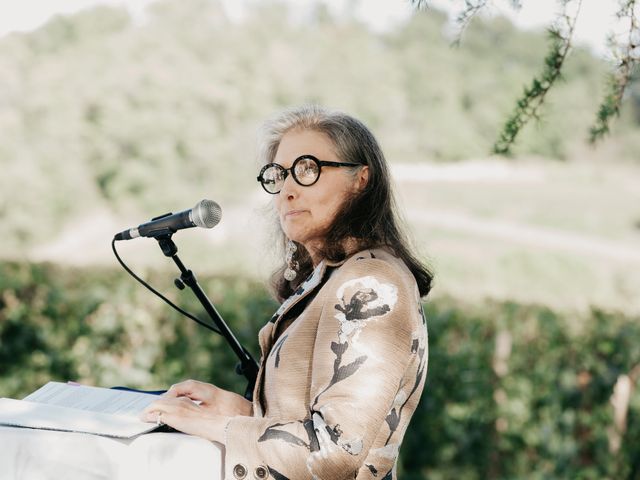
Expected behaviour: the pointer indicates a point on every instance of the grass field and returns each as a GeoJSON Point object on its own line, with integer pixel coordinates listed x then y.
{"type": "Point", "coordinates": [565, 235]}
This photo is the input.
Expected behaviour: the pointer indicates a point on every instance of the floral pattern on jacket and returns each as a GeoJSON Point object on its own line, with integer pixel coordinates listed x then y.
{"type": "Point", "coordinates": [337, 388]}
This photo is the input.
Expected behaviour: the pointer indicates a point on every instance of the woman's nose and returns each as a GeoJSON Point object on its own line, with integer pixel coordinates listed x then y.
{"type": "Point", "coordinates": [289, 188]}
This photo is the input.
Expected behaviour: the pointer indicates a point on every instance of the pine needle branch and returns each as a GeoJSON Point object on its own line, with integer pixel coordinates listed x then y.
{"type": "Point", "coordinates": [621, 77]}
{"type": "Point", "coordinates": [420, 4]}
{"type": "Point", "coordinates": [471, 9]}
{"type": "Point", "coordinates": [533, 97]}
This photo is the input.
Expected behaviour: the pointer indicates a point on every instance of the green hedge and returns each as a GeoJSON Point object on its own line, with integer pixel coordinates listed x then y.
{"type": "Point", "coordinates": [542, 412]}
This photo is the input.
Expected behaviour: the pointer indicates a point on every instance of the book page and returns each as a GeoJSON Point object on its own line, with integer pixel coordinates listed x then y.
{"type": "Point", "coordinates": [93, 399]}
{"type": "Point", "coordinates": [79, 408]}
{"type": "Point", "coordinates": [21, 413]}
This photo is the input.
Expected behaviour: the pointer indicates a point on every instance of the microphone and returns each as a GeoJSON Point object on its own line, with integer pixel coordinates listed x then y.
{"type": "Point", "coordinates": [205, 214]}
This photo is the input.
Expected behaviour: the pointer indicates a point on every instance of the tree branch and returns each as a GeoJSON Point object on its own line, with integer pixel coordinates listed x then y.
{"type": "Point", "coordinates": [534, 95]}
{"type": "Point", "coordinates": [464, 18]}
{"type": "Point", "coordinates": [621, 77]}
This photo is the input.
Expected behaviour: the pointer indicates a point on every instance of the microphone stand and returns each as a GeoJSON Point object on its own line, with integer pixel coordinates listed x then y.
{"type": "Point", "coordinates": [247, 366]}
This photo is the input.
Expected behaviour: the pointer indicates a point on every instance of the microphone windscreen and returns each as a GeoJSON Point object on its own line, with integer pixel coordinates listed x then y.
{"type": "Point", "coordinates": [206, 214]}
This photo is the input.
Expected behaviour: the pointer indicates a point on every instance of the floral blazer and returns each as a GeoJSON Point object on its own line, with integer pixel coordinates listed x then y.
{"type": "Point", "coordinates": [344, 361]}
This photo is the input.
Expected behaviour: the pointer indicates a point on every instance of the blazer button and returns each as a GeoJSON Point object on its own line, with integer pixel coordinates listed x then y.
{"type": "Point", "coordinates": [239, 471]}
{"type": "Point", "coordinates": [261, 472]}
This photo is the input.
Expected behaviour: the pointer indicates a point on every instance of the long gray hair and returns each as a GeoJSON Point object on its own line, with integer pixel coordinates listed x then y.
{"type": "Point", "coordinates": [368, 217]}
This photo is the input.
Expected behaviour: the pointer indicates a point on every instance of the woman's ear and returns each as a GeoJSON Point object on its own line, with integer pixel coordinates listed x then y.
{"type": "Point", "coordinates": [362, 178]}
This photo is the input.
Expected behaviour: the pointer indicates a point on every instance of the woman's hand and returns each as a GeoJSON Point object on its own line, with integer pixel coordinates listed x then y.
{"type": "Point", "coordinates": [197, 408]}
{"type": "Point", "coordinates": [186, 416]}
{"type": "Point", "coordinates": [212, 399]}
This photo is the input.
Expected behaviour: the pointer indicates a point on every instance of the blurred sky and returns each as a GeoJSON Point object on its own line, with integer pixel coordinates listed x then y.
{"type": "Point", "coordinates": [596, 21]}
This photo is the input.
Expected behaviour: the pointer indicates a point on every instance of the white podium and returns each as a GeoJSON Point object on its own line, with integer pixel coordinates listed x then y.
{"type": "Point", "coordinates": [29, 454]}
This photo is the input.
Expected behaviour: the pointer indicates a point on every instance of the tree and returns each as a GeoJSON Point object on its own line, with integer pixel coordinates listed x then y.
{"type": "Point", "coordinates": [626, 53]}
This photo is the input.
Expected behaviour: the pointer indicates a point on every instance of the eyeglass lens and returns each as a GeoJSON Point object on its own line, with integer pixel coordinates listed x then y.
{"type": "Point", "coordinates": [306, 171]}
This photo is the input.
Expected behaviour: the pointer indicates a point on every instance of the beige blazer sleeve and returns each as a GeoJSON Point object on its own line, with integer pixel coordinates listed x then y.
{"type": "Point", "coordinates": [360, 368]}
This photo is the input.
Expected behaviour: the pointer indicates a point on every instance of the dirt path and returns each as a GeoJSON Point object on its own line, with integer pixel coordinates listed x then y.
{"type": "Point", "coordinates": [536, 237]}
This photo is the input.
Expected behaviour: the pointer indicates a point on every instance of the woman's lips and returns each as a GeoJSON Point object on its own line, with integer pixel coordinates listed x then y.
{"type": "Point", "coordinates": [293, 213]}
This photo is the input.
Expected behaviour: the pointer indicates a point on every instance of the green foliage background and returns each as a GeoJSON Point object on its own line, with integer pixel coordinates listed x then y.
{"type": "Point", "coordinates": [550, 420]}
{"type": "Point", "coordinates": [101, 112]}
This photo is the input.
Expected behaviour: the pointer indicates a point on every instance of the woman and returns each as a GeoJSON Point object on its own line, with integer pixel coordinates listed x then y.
{"type": "Point", "coordinates": [344, 358]}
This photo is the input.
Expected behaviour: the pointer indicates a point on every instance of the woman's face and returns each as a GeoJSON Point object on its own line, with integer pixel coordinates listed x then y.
{"type": "Point", "coordinates": [306, 212]}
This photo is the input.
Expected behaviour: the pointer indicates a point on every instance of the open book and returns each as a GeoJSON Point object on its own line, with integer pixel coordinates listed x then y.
{"type": "Point", "coordinates": [77, 408]}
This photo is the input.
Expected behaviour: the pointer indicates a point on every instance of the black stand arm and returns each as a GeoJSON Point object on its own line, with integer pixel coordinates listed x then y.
{"type": "Point", "coordinates": [247, 366]}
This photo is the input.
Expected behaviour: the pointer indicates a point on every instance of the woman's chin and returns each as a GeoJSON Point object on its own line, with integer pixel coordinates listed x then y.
{"type": "Point", "coordinates": [295, 233]}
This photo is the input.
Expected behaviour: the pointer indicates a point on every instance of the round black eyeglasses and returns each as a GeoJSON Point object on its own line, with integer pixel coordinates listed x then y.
{"type": "Point", "coordinates": [305, 170]}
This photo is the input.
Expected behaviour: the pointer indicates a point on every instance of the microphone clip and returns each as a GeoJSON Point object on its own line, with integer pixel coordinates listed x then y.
{"type": "Point", "coordinates": [167, 245]}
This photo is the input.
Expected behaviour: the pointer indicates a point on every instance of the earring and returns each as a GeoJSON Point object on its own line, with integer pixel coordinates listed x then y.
{"type": "Point", "coordinates": [290, 273]}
